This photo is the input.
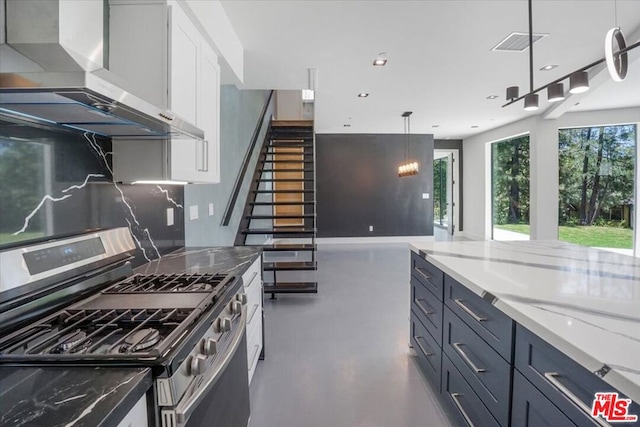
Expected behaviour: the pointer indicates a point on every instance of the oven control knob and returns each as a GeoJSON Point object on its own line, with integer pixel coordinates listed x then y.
{"type": "Point", "coordinates": [236, 307]}
{"type": "Point", "coordinates": [242, 297]}
{"type": "Point", "coordinates": [209, 347]}
{"type": "Point", "coordinates": [224, 325]}
{"type": "Point", "coordinates": [197, 365]}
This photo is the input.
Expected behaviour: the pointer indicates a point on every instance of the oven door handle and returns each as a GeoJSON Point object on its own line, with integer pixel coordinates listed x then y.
{"type": "Point", "coordinates": [186, 407]}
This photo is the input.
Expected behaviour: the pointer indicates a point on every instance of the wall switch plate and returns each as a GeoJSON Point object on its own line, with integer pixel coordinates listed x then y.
{"type": "Point", "coordinates": [193, 212]}
{"type": "Point", "coordinates": [170, 217]}
{"type": "Point", "coordinates": [425, 195]}
{"type": "Point", "coordinates": [371, 228]}
{"type": "Point", "coordinates": [210, 209]}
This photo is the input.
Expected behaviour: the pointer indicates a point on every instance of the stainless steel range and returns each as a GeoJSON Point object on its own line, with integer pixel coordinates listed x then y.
{"type": "Point", "coordinates": [75, 301]}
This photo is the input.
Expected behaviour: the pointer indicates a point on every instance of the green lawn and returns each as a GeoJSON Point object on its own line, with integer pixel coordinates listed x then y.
{"type": "Point", "coordinates": [10, 238]}
{"type": "Point", "coordinates": [604, 237]}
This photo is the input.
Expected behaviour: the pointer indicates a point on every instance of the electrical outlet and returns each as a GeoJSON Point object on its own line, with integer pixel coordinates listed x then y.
{"type": "Point", "coordinates": [170, 217]}
{"type": "Point", "coordinates": [371, 228]}
{"type": "Point", "coordinates": [425, 195]}
{"type": "Point", "coordinates": [193, 212]}
{"type": "Point", "coordinates": [210, 209]}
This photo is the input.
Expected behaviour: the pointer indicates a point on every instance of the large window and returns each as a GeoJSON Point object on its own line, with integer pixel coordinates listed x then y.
{"type": "Point", "coordinates": [510, 188]}
{"type": "Point", "coordinates": [440, 191]}
{"type": "Point", "coordinates": [596, 183]}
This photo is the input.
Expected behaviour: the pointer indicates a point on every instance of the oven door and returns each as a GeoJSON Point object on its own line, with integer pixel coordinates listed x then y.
{"type": "Point", "coordinates": [222, 399]}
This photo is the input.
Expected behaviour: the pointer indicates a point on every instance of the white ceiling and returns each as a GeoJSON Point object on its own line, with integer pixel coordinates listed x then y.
{"type": "Point", "coordinates": [440, 66]}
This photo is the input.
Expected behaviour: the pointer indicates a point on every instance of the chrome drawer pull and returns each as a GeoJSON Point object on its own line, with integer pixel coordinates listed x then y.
{"type": "Point", "coordinates": [253, 313]}
{"type": "Point", "coordinates": [423, 273]}
{"type": "Point", "coordinates": [551, 378]}
{"type": "Point", "coordinates": [456, 346]}
{"type": "Point", "coordinates": [256, 353]}
{"type": "Point", "coordinates": [455, 396]}
{"type": "Point", "coordinates": [423, 308]}
{"type": "Point", "coordinates": [425, 352]}
{"type": "Point", "coordinates": [248, 285]}
{"type": "Point", "coordinates": [467, 310]}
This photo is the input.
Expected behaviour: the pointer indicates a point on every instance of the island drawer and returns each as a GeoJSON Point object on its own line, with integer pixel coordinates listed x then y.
{"type": "Point", "coordinates": [488, 374]}
{"type": "Point", "coordinates": [428, 274]}
{"type": "Point", "coordinates": [463, 404]}
{"type": "Point", "coordinates": [531, 409]}
{"type": "Point", "coordinates": [495, 327]}
{"type": "Point", "coordinates": [428, 309]}
{"type": "Point", "coordinates": [428, 351]}
{"type": "Point", "coordinates": [562, 380]}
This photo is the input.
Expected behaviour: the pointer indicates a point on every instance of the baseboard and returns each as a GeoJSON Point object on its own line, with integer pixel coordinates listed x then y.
{"type": "Point", "coordinates": [378, 239]}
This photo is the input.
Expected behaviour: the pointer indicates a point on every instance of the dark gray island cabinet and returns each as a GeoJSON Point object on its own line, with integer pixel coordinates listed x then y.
{"type": "Point", "coordinates": [488, 369]}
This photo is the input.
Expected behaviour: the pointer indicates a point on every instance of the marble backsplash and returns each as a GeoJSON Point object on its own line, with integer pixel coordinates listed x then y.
{"type": "Point", "coordinates": [54, 183]}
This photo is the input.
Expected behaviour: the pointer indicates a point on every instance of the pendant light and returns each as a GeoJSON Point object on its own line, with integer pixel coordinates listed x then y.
{"type": "Point", "coordinates": [408, 168]}
{"type": "Point", "coordinates": [555, 92]}
{"type": "Point", "coordinates": [579, 82]}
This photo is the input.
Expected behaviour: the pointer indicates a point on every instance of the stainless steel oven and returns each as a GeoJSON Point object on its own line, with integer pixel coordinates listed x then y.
{"type": "Point", "coordinates": [76, 301]}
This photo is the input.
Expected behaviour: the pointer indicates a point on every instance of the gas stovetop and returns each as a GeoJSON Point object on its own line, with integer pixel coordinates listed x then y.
{"type": "Point", "coordinates": [141, 318]}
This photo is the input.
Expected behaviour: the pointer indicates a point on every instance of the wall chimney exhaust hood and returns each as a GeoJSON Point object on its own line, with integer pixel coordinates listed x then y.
{"type": "Point", "coordinates": [52, 71]}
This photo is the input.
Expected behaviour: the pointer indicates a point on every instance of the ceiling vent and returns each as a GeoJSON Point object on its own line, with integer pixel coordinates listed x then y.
{"type": "Point", "coordinates": [517, 42]}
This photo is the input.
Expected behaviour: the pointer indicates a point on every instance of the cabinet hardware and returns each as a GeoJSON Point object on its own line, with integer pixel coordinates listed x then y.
{"type": "Point", "coordinates": [461, 352]}
{"type": "Point", "coordinates": [423, 273]}
{"type": "Point", "coordinates": [424, 351]}
{"type": "Point", "coordinates": [422, 307]}
{"type": "Point", "coordinates": [551, 379]}
{"type": "Point", "coordinates": [455, 396]}
{"type": "Point", "coordinates": [467, 310]}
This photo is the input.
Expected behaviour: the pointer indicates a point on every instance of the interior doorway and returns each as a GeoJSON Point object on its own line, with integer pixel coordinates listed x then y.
{"type": "Point", "coordinates": [445, 189]}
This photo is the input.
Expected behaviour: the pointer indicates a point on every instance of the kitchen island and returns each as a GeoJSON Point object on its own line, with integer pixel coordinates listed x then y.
{"type": "Point", "coordinates": [502, 319]}
{"type": "Point", "coordinates": [109, 395]}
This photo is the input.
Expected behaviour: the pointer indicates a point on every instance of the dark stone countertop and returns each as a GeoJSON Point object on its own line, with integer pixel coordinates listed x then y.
{"type": "Point", "coordinates": [96, 397]}
{"type": "Point", "coordinates": [225, 259]}
{"type": "Point", "coordinates": [69, 396]}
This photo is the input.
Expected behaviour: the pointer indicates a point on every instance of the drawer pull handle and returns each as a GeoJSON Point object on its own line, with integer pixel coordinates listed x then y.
{"type": "Point", "coordinates": [455, 397]}
{"type": "Point", "coordinates": [253, 276]}
{"type": "Point", "coordinates": [423, 273]}
{"type": "Point", "coordinates": [424, 351]}
{"type": "Point", "coordinates": [253, 313]}
{"type": "Point", "coordinates": [551, 378]}
{"type": "Point", "coordinates": [456, 346]}
{"type": "Point", "coordinates": [422, 307]}
{"type": "Point", "coordinates": [256, 353]}
{"type": "Point", "coordinates": [467, 310]}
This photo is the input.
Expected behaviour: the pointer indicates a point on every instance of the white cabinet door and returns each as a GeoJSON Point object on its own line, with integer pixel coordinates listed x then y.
{"type": "Point", "coordinates": [208, 112]}
{"type": "Point", "coordinates": [184, 154]}
{"type": "Point", "coordinates": [185, 43]}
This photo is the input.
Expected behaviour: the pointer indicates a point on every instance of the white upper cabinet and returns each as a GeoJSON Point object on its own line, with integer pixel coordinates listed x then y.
{"type": "Point", "coordinates": [161, 56]}
{"type": "Point", "coordinates": [185, 45]}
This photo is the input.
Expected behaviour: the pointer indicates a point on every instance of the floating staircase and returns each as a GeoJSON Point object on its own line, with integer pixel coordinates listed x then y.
{"type": "Point", "coordinates": [281, 209]}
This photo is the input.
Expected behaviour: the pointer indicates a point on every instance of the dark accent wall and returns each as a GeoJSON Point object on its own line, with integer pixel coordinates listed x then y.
{"type": "Point", "coordinates": [358, 186]}
{"type": "Point", "coordinates": [54, 182]}
{"type": "Point", "coordinates": [454, 144]}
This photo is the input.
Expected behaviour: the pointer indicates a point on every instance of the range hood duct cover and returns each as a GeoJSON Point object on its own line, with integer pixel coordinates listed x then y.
{"type": "Point", "coordinates": [71, 88]}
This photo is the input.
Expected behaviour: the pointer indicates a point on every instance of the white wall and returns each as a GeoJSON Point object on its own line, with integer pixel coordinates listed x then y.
{"type": "Point", "coordinates": [543, 168]}
{"type": "Point", "coordinates": [289, 105]}
{"type": "Point", "coordinates": [216, 25]}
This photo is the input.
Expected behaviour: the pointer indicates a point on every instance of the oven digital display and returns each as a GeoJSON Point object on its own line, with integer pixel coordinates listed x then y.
{"type": "Point", "coordinates": [47, 259]}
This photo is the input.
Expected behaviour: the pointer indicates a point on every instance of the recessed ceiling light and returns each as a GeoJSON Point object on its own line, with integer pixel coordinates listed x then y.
{"type": "Point", "coordinates": [548, 67]}
{"type": "Point", "coordinates": [475, 127]}
{"type": "Point", "coordinates": [380, 62]}
{"type": "Point", "coordinates": [492, 96]}
{"type": "Point", "coordinates": [363, 95]}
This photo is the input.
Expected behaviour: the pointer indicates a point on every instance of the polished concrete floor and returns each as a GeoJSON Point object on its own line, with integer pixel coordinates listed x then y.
{"type": "Point", "coordinates": [341, 358]}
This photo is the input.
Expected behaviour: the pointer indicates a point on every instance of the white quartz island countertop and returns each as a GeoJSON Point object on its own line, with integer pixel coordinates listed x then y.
{"type": "Point", "coordinates": [583, 301]}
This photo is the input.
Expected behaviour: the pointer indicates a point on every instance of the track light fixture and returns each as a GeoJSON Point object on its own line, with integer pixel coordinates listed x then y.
{"type": "Point", "coordinates": [616, 57]}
